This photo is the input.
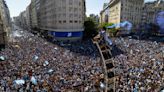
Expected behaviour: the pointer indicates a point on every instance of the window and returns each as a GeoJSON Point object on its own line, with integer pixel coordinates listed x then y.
{"type": "Point", "coordinates": [71, 21]}
{"type": "Point", "coordinates": [64, 15]}
{"type": "Point", "coordinates": [70, 9]}
{"type": "Point", "coordinates": [75, 9]}
{"type": "Point", "coordinates": [70, 2]}
{"type": "Point", "coordinates": [79, 3]}
{"type": "Point", "coordinates": [76, 15]}
{"type": "Point", "coordinates": [64, 21]}
{"type": "Point", "coordinates": [70, 15]}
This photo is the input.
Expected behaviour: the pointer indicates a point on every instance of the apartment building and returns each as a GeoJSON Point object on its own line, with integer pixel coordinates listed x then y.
{"type": "Point", "coordinates": [63, 18]}
{"type": "Point", "coordinates": [28, 17]}
{"type": "Point", "coordinates": [5, 23]}
{"type": "Point", "coordinates": [151, 9]}
{"type": "Point", "coordinates": [124, 10]}
{"type": "Point", "coordinates": [17, 21]}
{"type": "Point", "coordinates": [35, 4]}
{"type": "Point", "coordinates": [104, 14]}
{"type": "Point", "coordinates": [21, 20]}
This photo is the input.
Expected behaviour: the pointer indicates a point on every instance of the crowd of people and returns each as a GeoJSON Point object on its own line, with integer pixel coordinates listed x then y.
{"type": "Point", "coordinates": [141, 66]}
{"type": "Point", "coordinates": [31, 64]}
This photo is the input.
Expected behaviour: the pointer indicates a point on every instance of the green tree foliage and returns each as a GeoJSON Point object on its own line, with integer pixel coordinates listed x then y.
{"type": "Point", "coordinates": [112, 31]}
{"type": "Point", "coordinates": [90, 28]}
{"type": "Point", "coordinates": [104, 25]}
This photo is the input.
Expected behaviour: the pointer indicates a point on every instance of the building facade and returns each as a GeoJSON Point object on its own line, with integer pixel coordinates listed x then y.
{"type": "Point", "coordinates": [28, 20]}
{"type": "Point", "coordinates": [63, 18]}
{"type": "Point", "coordinates": [126, 10]}
{"type": "Point", "coordinates": [34, 19]}
{"type": "Point", "coordinates": [5, 23]}
{"type": "Point", "coordinates": [134, 11]}
{"type": "Point", "coordinates": [151, 9]}
{"type": "Point", "coordinates": [21, 20]}
{"type": "Point", "coordinates": [123, 10]}
{"type": "Point", "coordinates": [104, 14]}
{"type": "Point", "coordinates": [17, 21]}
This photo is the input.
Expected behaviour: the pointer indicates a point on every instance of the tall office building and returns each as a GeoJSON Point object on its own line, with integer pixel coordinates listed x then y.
{"type": "Point", "coordinates": [62, 18]}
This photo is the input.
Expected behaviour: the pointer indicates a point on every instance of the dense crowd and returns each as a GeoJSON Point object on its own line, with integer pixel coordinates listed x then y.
{"type": "Point", "coordinates": [140, 68]}
{"type": "Point", "coordinates": [31, 64]}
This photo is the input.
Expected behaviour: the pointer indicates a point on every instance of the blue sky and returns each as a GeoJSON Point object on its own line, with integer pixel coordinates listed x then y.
{"type": "Point", "coordinates": [17, 6]}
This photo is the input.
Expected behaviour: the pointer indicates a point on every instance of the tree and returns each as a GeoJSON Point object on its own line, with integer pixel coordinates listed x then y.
{"type": "Point", "coordinates": [104, 25]}
{"type": "Point", "coordinates": [112, 31]}
{"type": "Point", "coordinates": [90, 28]}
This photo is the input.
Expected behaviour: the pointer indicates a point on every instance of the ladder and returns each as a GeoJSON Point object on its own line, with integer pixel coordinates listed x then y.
{"type": "Point", "coordinates": [108, 64]}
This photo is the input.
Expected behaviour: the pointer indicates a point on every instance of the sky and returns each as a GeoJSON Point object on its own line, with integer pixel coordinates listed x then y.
{"type": "Point", "coordinates": [17, 6]}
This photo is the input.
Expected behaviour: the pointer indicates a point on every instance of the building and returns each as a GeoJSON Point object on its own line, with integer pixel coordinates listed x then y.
{"type": "Point", "coordinates": [123, 10]}
{"type": "Point", "coordinates": [104, 14]}
{"type": "Point", "coordinates": [151, 9]}
{"type": "Point", "coordinates": [21, 20]}
{"type": "Point", "coordinates": [34, 7]}
{"type": "Point", "coordinates": [126, 10]}
{"type": "Point", "coordinates": [5, 23]}
{"type": "Point", "coordinates": [28, 20]}
{"type": "Point", "coordinates": [24, 20]}
{"type": "Point", "coordinates": [134, 11]}
{"type": "Point", "coordinates": [95, 18]}
{"type": "Point", "coordinates": [63, 18]}
{"type": "Point", "coordinates": [17, 21]}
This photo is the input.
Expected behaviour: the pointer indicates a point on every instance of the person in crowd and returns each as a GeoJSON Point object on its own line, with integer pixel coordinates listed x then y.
{"type": "Point", "coordinates": [105, 35]}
